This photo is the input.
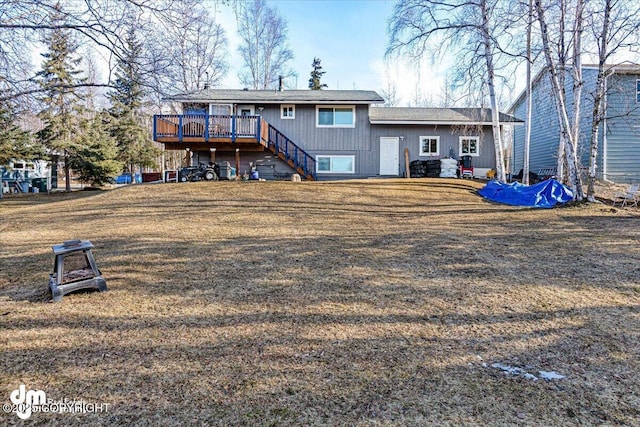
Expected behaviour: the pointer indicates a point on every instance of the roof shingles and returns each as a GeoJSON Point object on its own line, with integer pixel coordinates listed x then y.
{"type": "Point", "coordinates": [278, 97]}
{"type": "Point", "coordinates": [435, 115]}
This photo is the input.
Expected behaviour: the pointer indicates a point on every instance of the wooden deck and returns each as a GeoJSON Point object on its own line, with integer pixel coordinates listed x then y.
{"type": "Point", "coordinates": [202, 132]}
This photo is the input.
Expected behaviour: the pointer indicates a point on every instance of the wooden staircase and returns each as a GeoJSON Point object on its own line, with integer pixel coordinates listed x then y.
{"type": "Point", "coordinates": [287, 151]}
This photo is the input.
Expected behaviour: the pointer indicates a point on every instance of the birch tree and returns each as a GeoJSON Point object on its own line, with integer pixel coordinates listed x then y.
{"type": "Point", "coordinates": [422, 26]}
{"type": "Point", "coordinates": [557, 70]}
{"type": "Point", "coordinates": [614, 26]}
{"type": "Point", "coordinates": [527, 124]}
{"type": "Point", "coordinates": [264, 47]}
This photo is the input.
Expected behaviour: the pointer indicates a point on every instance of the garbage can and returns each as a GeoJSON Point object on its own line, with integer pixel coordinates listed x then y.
{"type": "Point", "coordinates": [40, 184]}
{"type": "Point", "coordinates": [225, 170]}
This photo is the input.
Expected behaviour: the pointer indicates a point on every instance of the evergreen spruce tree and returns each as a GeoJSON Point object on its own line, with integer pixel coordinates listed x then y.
{"type": "Point", "coordinates": [59, 79]}
{"type": "Point", "coordinates": [127, 122]}
{"type": "Point", "coordinates": [15, 142]}
{"type": "Point", "coordinates": [316, 75]}
{"type": "Point", "coordinates": [94, 161]}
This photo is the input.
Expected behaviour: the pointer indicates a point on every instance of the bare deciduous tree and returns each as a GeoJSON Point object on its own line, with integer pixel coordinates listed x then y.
{"type": "Point", "coordinates": [558, 62]}
{"type": "Point", "coordinates": [95, 23]}
{"type": "Point", "coordinates": [188, 50]}
{"type": "Point", "coordinates": [264, 47]}
{"type": "Point", "coordinates": [614, 26]}
{"type": "Point", "coordinates": [420, 26]}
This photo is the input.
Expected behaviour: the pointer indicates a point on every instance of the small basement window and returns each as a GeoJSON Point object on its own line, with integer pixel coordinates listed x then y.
{"type": "Point", "coordinates": [287, 111]}
{"type": "Point", "coordinates": [335, 164]}
{"type": "Point", "coordinates": [429, 145]}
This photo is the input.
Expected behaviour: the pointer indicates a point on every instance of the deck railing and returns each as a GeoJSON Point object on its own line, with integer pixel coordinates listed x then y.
{"type": "Point", "coordinates": [205, 126]}
{"type": "Point", "coordinates": [281, 144]}
{"type": "Point", "coordinates": [208, 127]}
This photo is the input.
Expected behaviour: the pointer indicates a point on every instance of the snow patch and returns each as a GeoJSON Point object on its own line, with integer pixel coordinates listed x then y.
{"type": "Point", "coordinates": [551, 375]}
{"type": "Point", "coordinates": [514, 370]}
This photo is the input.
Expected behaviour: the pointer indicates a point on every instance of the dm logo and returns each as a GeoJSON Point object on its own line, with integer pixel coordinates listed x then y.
{"type": "Point", "coordinates": [26, 400]}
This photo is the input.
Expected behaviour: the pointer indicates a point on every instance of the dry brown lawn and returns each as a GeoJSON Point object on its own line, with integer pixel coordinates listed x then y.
{"type": "Point", "coordinates": [364, 303]}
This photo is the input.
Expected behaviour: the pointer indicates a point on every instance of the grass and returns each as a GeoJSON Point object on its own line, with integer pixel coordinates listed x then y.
{"type": "Point", "coordinates": [378, 302]}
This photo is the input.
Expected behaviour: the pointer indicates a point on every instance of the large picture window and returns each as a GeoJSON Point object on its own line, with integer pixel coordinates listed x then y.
{"type": "Point", "coordinates": [429, 145]}
{"type": "Point", "coordinates": [339, 116]}
{"type": "Point", "coordinates": [469, 146]}
{"type": "Point", "coordinates": [335, 164]}
{"type": "Point", "coordinates": [638, 90]}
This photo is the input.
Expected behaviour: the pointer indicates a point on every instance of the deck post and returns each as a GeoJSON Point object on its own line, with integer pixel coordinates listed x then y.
{"type": "Point", "coordinates": [155, 131]}
{"type": "Point", "coordinates": [233, 129]}
{"type": "Point", "coordinates": [180, 128]}
{"type": "Point", "coordinates": [237, 163]}
{"type": "Point", "coordinates": [258, 124]}
{"type": "Point", "coordinates": [206, 128]}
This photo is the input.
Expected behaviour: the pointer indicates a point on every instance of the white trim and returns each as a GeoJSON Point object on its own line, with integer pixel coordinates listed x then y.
{"type": "Point", "coordinates": [425, 154]}
{"type": "Point", "coordinates": [331, 156]}
{"type": "Point", "coordinates": [477, 139]}
{"type": "Point", "coordinates": [334, 107]}
{"type": "Point", "coordinates": [287, 106]}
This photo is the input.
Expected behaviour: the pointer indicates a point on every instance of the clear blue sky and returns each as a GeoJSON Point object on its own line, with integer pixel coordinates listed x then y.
{"type": "Point", "coordinates": [349, 36]}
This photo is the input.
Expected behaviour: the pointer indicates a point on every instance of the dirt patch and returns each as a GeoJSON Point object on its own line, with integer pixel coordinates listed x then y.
{"type": "Point", "coordinates": [378, 302]}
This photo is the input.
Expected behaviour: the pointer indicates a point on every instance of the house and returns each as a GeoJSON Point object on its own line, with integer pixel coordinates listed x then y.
{"type": "Point", "coordinates": [619, 133]}
{"type": "Point", "coordinates": [321, 134]}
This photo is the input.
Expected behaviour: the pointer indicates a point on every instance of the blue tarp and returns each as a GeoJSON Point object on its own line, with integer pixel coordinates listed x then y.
{"type": "Point", "coordinates": [545, 194]}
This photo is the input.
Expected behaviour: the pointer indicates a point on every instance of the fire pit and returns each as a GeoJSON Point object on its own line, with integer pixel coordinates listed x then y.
{"type": "Point", "coordinates": [74, 268]}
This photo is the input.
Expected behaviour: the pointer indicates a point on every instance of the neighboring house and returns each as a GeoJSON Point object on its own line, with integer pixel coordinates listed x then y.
{"type": "Point", "coordinates": [322, 134]}
{"type": "Point", "coordinates": [619, 133]}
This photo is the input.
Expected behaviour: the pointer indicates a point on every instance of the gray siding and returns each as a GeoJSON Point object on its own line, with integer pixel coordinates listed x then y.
{"type": "Point", "coordinates": [449, 139]}
{"type": "Point", "coordinates": [363, 141]}
{"type": "Point", "coordinates": [327, 141]}
{"type": "Point", "coordinates": [623, 130]}
{"type": "Point", "coordinates": [545, 130]}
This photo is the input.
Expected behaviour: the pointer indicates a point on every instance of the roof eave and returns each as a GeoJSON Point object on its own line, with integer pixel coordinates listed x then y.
{"type": "Point", "coordinates": [437, 122]}
{"type": "Point", "coordinates": [279, 101]}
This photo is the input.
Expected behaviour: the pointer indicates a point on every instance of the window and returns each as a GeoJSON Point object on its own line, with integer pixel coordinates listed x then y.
{"type": "Point", "coordinates": [469, 146]}
{"type": "Point", "coordinates": [220, 109]}
{"type": "Point", "coordinates": [339, 117]}
{"type": "Point", "coordinates": [287, 111]}
{"type": "Point", "coordinates": [638, 90]}
{"type": "Point", "coordinates": [429, 145]}
{"type": "Point", "coordinates": [335, 164]}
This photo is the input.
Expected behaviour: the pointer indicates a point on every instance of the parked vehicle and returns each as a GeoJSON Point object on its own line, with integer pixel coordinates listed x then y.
{"type": "Point", "coordinates": [199, 173]}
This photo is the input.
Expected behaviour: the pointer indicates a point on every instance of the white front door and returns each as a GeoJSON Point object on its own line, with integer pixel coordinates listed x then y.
{"type": "Point", "coordinates": [389, 156]}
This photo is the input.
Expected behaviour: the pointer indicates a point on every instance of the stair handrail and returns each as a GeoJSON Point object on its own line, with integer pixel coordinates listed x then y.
{"type": "Point", "coordinates": [301, 159]}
